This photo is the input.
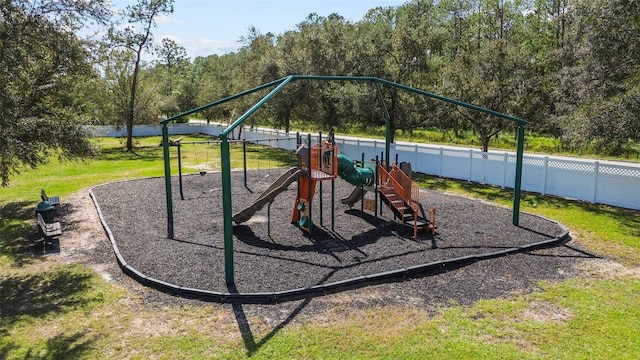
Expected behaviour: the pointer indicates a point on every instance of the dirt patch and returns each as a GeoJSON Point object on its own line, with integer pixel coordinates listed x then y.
{"type": "Point", "coordinates": [546, 312]}
{"type": "Point", "coordinates": [606, 268]}
{"type": "Point", "coordinates": [84, 240]}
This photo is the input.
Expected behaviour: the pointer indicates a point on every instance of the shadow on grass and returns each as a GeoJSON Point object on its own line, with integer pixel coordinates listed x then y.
{"type": "Point", "coordinates": [146, 153]}
{"type": "Point", "coordinates": [37, 296]}
{"type": "Point", "coordinates": [251, 345]}
{"type": "Point", "coordinates": [44, 293]}
{"type": "Point", "coordinates": [59, 347]}
{"type": "Point", "coordinates": [16, 229]}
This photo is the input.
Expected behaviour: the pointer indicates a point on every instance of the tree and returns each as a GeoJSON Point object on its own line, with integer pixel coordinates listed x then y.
{"type": "Point", "coordinates": [490, 69]}
{"type": "Point", "coordinates": [171, 56]}
{"type": "Point", "coordinates": [600, 83]}
{"type": "Point", "coordinates": [117, 72]}
{"type": "Point", "coordinates": [404, 45]}
{"type": "Point", "coordinates": [138, 40]}
{"type": "Point", "coordinates": [43, 67]}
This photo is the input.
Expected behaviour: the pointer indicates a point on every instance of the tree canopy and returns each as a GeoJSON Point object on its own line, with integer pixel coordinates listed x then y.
{"type": "Point", "coordinates": [569, 67]}
{"type": "Point", "coordinates": [43, 68]}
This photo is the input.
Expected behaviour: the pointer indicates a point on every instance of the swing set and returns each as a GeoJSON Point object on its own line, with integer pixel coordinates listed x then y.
{"type": "Point", "coordinates": [205, 167]}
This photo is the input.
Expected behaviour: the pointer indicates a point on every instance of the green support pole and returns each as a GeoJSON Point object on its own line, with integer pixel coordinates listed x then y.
{"type": "Point", "coordinates": [180, 170]}
{"type": "Point", "coordinates": [225, 160]}
{"type": "Point", "coordinates": [518, 180]}
{"type": "Point", "coordinates": [320, 185]}
{"type": "Point", "coordinates": [244, 164]}
{"type": "Point", "coordinates": [309, 194]}
{"type": "Point", "coordinates": [387, 144]}
{"type": "Point", "coordinates": [387, 129]}
{"type": "Point", "coordinates": [167, 180]}
{"type": "Point", "coordinates": [362, 190]}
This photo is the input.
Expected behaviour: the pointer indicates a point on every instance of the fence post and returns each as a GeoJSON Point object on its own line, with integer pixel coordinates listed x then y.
{"type": "Point", "coordinates": [544, 175]}
{"type": "Point", "coordinates": [595, 182]}
{"type": "Point", "coordinates": [470, 163]}
{"type": "Point", "coordinates": [393, 151]}
{"type": "Point", "coordinates": [504, 174]}
{"type": "Point", "coordinates": [441, 159]}
{"type": "Point", "coordinates": [416, 155]}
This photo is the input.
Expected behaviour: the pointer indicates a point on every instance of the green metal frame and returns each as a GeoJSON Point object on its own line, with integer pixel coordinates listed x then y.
{"type": "Point", "coordinates": [277, 86]}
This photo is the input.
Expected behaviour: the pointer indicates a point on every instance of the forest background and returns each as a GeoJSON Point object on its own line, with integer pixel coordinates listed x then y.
{"type": "Point", "coordinates": [569, 67]}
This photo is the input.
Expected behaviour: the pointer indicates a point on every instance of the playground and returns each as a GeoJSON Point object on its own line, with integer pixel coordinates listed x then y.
{"type": "Point", "coordinates": [289, 253]}
{"type": "Point", "coordinates": [273, 256]}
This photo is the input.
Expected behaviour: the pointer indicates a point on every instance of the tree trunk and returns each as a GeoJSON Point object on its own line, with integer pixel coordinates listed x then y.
{"type": "Point", "coordinates": [485, 142]}
{"type": "Point", "coordinates": [132, 100]}
{"type": "Point", "coordinates": [287, 120]}
{"type": "Point", "coordinates": [392, 114]}
{"type": "Point", "coordinates": [456, 128]}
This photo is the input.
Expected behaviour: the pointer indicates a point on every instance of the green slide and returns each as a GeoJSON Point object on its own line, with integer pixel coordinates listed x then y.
{"type": "Point", "coordinates": [354, 176]}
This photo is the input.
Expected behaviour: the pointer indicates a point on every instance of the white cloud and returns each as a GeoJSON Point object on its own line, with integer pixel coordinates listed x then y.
{"type": "Point", "coordinates": [167, 19]}
{"type": "Point", "coordinates": [203, 46]}
{"type": "Point", "coordinates": [206, 47]}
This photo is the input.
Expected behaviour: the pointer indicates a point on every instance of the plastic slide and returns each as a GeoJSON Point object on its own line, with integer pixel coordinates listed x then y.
{"type": "Point", "coordinates": [278, 186]}
{"type": "Point", "coordinates": [355, 196]}
{"type": "Point", "coordinates": [354, 175]}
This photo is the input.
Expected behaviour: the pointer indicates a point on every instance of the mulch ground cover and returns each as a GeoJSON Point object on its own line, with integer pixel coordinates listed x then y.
{"type": "Point", "coordinates": [271, 254]}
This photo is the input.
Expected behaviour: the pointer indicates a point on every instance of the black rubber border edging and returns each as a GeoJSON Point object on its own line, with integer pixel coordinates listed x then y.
{"type": "Point", "coordinates": [397, 275]}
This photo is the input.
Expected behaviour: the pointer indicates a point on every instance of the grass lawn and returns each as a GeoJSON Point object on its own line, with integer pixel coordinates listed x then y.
{"type": "Point", "coordinates": [52, 310]}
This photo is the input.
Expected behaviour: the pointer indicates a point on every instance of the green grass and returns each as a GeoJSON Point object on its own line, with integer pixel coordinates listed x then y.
{"type": "Point", "coordinates": [52, 310]}
{"type": "Point", "coordinates": [571, 320]}
{"type": "Point", "coordinates": [605, 229]}
{"type": "Point", "coordinates": [114, 163]}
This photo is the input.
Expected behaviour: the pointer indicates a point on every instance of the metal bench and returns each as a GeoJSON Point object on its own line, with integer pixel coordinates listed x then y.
{"type": "Point", "coordinates": [53, 201]}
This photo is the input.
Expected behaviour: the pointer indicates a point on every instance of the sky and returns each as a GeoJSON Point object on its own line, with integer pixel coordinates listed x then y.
{"type": "Point", "coordinates": [206, 27]}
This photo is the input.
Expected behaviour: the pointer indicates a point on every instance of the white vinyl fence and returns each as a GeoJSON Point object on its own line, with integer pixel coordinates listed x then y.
{"type": "Point", "coordinates": [601, 182]}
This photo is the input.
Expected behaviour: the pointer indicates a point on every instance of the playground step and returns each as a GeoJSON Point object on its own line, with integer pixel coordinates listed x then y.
{"type": "Point", "coordinates": [422, 222]}
{"type": "Point", "coordinates": [403, 211]}
{"type": "Point", "coordinates": [390, 195]}
{"type": "Point", "coordinates": [400, 208]}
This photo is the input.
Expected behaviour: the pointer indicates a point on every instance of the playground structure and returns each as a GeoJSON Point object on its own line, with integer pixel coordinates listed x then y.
{"type": "Point", "coordinates": [323, 162]}
{"type": "Point", "coordinates": [276, 86]}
